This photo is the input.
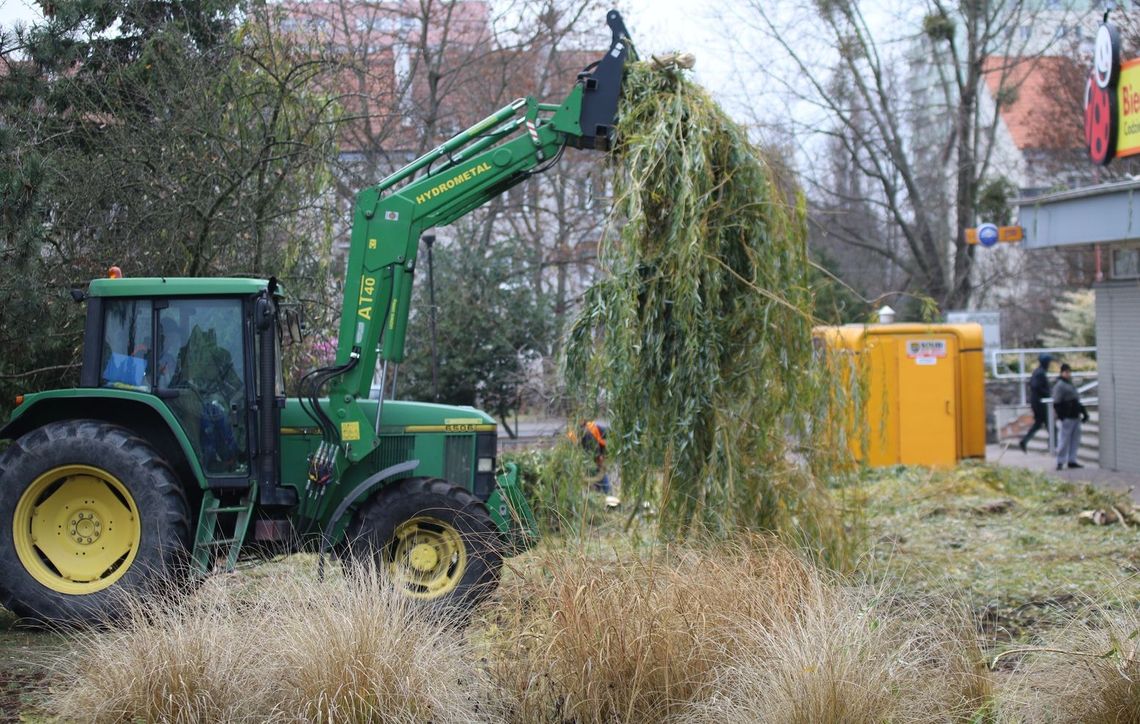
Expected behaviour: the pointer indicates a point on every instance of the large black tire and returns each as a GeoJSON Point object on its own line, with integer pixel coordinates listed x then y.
{"type": "Point", "coordinates": [107, 505]}
{"type": "Point", "coordinates": [412, 531]}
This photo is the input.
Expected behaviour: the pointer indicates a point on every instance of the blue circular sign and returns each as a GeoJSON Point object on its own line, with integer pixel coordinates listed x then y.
{"type": "Point", "coordinates": [987, 234]}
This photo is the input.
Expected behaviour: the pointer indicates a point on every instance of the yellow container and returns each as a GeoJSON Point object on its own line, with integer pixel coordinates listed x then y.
{"type": "Point", "coordinates": [925, 386]}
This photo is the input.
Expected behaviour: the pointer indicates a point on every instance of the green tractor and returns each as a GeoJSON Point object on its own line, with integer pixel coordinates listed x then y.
{"type": "Point", "coordinates": [180, 452]}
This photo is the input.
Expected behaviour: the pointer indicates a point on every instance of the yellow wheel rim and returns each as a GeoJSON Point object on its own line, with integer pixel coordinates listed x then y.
{"type": "Point", "coordinates": [76, 529]}
{"type": "Point", "coordinates": [427, 557]}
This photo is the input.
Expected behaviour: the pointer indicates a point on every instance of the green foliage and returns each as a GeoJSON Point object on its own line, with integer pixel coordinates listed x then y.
{"type": "Point", "coordinates": [168, 138]}
{"type": "Point", "coordinates": [938, 27]}
{"type": "Point", "coordinates": [1075, 312]}
{"type": "Point", "coordinates": [555, 481]}
{"type": "Point", "coordinates": [490, 324]}
{"type": "Point", "coordinates": [699, 337]}
{"type": "Point", "coordinates": [993, 201]}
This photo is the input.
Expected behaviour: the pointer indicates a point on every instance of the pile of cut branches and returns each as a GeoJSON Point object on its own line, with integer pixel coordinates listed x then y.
{"type": "Point", "coordinates": [698, 338]}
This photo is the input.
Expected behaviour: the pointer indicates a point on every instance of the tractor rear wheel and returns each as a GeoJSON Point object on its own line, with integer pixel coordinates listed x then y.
{"type": "Point", "coordinates": [95, 513]}
{"type": "Point", "coordinates": [435, 541]}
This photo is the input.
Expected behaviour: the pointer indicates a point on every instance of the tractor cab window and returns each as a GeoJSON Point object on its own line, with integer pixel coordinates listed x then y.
{"type": "Point", "coordinates": [200, 354]}
{"type": "Point", "coordinates": [127, 344]}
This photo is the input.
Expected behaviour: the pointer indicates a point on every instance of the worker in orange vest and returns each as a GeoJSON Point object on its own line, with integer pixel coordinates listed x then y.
{"type": "Point", "coordinates": [592, 436]}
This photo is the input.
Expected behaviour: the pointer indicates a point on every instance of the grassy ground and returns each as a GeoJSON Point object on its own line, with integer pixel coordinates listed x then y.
{"type": "Point", "coordinates": [1004, 543]}
{"type": "Point", "coordinates": [23, 675]}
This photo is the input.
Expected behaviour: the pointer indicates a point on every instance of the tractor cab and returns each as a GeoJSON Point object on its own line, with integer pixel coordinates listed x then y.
{"type": "Point", "coordinates": [194, 344]}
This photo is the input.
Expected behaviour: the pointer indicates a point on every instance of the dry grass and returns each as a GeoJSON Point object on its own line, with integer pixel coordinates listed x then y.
{"type": "Point", "coordinates": [280, 650]}
{"type": "Point", "coordinates": [633, 639]}
{"type": "Point", "coordinates": [1088, 672]}
{"type": "Point", "coordinates": [846, 659]}
{"type": "Point", "coordinates": [744, 632]}
{"type": "Point", "coordinates": [173, 664]}
{"type": "Point", "coordinates": [618, 631]}
{"type": "Point", "coordinates": [362, 653]}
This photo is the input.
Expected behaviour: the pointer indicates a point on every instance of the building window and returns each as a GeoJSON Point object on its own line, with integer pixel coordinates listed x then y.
{"type": "Point", "coordinates": [1125, 263]}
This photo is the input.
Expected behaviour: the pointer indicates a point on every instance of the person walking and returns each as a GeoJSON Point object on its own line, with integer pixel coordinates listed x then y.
{"type": "Point", "coordinates": [1038, 391]}
{"type": "Point", "coordinates": [1071, 413]}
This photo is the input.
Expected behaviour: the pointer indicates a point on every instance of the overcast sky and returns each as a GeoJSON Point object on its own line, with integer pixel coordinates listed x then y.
{"type": "Point", "coordinates": [13, 11]}
{"type": "Point", "coordinates": [662, 26]}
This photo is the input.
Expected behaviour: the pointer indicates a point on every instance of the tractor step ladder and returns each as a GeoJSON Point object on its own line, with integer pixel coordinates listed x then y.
{"type": "Point", "coordinates": [210, 540]}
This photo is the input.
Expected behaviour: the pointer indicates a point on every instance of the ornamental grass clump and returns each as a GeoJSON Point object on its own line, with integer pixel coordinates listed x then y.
{"type": "Point", "coordinates": [591, 638]}
{"type": "Point", "coordinates": [738, 631]}
{"type": "Point", "coordinates": [277, 648]}
{"type": "Point", "coordinates": [700, 332]}
{"type": "Point", "coordinates": [161, 661]}
{"type": "Point", "coordinates": [853, 656]}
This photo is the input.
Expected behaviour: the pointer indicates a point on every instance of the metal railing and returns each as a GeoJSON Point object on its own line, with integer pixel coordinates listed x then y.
{"type": "Point", "coordinates": [1030, 355]}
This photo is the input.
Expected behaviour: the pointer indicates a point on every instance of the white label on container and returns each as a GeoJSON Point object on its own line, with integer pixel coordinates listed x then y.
{"type": "Point", "coordinates": [925, 348]}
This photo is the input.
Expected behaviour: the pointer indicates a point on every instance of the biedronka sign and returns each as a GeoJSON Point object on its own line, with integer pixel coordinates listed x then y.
{"type": "Point", "coordinates": [1112, 100]}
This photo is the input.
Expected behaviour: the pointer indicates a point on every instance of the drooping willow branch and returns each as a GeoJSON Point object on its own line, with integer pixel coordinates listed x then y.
{"type": "Point", "coordinates": [698, 338]}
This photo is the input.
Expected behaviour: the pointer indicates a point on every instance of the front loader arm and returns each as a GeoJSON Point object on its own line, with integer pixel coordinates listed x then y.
{"type": "Point", "coordinates": [436, 189]}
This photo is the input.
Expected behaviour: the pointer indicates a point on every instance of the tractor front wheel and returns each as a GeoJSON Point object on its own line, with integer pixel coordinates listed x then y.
{"type": "Point", "coordinates": [435, 541]}
{"type": "Point", "coordinates": [95, 513]}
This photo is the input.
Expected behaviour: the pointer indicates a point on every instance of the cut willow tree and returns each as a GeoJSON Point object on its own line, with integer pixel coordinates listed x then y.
{"type": "Point", "coordinates": [698, 338]}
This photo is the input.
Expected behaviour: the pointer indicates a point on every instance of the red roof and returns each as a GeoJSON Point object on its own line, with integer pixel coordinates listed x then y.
{"type": "Point", "coordinates": [1042, 102]}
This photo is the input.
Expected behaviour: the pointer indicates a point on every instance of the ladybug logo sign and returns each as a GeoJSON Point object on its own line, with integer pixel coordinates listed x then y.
{"type": "Point", "coordinates": [1102, 126]}
{"type": "Point", "coordinates": [1106, 55]}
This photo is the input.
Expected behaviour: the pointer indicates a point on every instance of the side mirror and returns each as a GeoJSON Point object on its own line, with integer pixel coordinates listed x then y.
{"type": "Point", "coordinates": [292, 324]}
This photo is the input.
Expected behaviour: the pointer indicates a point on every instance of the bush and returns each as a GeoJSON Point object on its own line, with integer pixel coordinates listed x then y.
{"type": "Point", "coordinates": [555, 482]}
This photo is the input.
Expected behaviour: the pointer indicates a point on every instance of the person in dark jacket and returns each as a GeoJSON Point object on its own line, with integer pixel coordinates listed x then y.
{"type": "Point", "coordinates": [1038, 391]}
{"type": "Point", "coordinates": [1070, 414]}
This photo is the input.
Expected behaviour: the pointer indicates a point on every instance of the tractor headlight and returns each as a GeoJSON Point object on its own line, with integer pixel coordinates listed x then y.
{"type": "Point", "coordinates": [486, 447]}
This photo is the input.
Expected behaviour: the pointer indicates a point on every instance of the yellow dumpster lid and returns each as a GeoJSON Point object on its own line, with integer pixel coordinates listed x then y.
{"type": "Point", "coordinates": [852, 336]}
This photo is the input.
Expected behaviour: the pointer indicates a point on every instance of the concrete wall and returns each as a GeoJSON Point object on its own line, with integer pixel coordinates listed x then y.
{"type": "Point", "coordinates": [1118, 361]}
